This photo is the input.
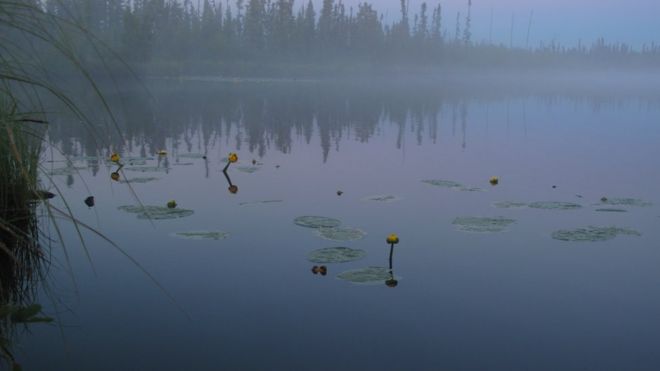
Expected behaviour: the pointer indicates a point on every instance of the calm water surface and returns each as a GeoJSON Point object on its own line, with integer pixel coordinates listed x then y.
{"type": "Point", "coordinates": [513, 300]}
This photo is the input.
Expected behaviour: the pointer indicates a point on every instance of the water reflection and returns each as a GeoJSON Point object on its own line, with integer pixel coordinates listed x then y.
{"type": "Point", "coordinates": [192, 117]}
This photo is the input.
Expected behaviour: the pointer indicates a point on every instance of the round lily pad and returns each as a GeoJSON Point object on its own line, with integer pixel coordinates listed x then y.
{"type": "Point", "coordinates": [554, 205]}
{"type": "Point", "coordinates": [335, 255]}
{"type": "Point", "coordinates": [156, 212]}
{"type": "Point", "coordinates": [202, 235]}
{"type": "Point", "coordinates": [71, 170]}
{"type": "Point", "coordinates": [316, 222]}
{"type": "Point", "coordinates": [367, 276]}
{"type": "Point", "coordinates": [341, 234]}
{"type": "Point", "coordinates": [443, 183]}
{"type": "Point", "coordinates": [247, 169]}
{"type": "Point", "coordinates": [482, 224]}
{"type": "Point", "coordinates": [139, 180]}
{"type": "Point", "coordinates": [509, 205]}
{"type": "Point", "coordinates": [611, 210]}
{"type": "Point", "coordinates": [592, 233]}
{"type": "Point", "coordinates": [626, 202]}
{"type": "Point", "coordinates": [382, 198]}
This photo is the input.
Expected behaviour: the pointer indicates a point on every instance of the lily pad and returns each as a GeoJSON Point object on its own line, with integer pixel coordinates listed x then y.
{"type": "Point", "coordinates": [611, 210]}
{"type": "Point", "coordinates": [316, 222]}
{"type": "Point", "coordinates": [156, 212]}
{"type": "Point", "coordinates": [260, 202]}
{"type": "Point", "coordinates": [247, 169]}
{"type": "Point", "coordinates": [510, 205]}
{"type": "Point", "coordinates": [382, 198]}
{"type": "Point", "coordinates": [443, 183]}
{"type": "Point", "coordinates": [137, 158]}
{"type": "Point", "coordinates": [592, 233]}
{"type": "Point", "coordinates": [482, 224]}
{"type": "Point", "coordinates": [146, 169]}
{"type": "Point", "coordinates": [626, 202]}
{"type": "Point", "coordinates": [555, 205]}
{"type": "Point", "coordinates": [71, 170]}
{"type": "Point", "coordinates": [341, 234]}
{"type": "Point", "coordinates": [202, 235]}
{"type": "Point", "coordinates": [366, 276]}
{"type": "Point", "coordinates": [470, 189]}
{"type": "Point", "coordinates": [140, 180]}
{"type": "Point", "coordinates": [335, 255]}
{"type": "Point", "coordinates": [183, 163]}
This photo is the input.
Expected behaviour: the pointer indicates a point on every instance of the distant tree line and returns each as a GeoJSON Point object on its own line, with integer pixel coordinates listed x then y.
{"type": "Point", "coordinates": [266, 31]}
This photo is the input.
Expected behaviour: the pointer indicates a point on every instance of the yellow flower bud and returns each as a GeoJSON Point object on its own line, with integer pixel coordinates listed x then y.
{"type": "Point", "coordinates": [115, 157]}
{"type": "Point", "coordinates": [393, 239]}
{"type": "Point", "coordinates": [233, 157]}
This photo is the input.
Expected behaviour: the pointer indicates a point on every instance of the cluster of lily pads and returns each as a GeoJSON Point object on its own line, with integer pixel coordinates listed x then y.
{"type": "Point", "coordinates": [330, 228]}
{"type": "Point", "coordinates": [499, 223]}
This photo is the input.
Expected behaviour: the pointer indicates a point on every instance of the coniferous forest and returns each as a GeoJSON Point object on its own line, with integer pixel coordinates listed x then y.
{"type": "Point", "coordinates": [292, 36]}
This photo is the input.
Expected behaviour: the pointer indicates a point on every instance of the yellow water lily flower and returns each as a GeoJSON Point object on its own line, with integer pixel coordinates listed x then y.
{"type": "Point", "coordinates": [115, 157]}
{"type": "Point", "coordinates": [393, 239]}
{"type": "Point", "coordinates": [162, 152]}
{"type": "Point", "coordinates": [114, 176]}
{"type": "Point", "coordinates": [171, 204]}
{"type": "Point", "coordinates": [494, 180]}
{"type": "Point", "coordinates": [233, 157]}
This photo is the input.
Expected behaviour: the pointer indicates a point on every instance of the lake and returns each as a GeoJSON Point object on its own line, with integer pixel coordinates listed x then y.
{"type": "Point", "coordinates": [487, 276]}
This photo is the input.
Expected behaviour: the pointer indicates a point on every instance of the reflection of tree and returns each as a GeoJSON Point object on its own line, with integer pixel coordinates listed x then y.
{"type": "Point", "coordinates": [266, 117]}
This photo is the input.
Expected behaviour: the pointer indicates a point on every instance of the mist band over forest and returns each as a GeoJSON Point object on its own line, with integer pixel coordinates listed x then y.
{"type": "Point", "coordinates": [295, 38]}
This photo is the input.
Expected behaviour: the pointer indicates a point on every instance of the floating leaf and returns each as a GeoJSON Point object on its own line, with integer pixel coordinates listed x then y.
{"type": "Point", "coordinates": [316, 222]}
{"type": "Point", "coordinates": [470, 189]}
{"type": "Point", "coordinates": [247, 169]}
{"type": "Point", "coordinates": [202, 235]}
{"type": "Point", "coordinates": [592, 233]}
{"type": "Point", "coordinates": [146, 169]}
{"type": "Point", "coordinates": [335, 255]}
{"type": "Point", "coordinates": [140, 180]}
{"type": "Point", "coordinates": [183, 163]}
{"type": "Point", "coordinates": [70, 170]}
{"type": "Point", "coordinates": [625, 202]}
{"type": "Point", "coordinates": [367, 276]}
{"type": "Point", "coordinates": [381, 198]}
{"type": "Point", "coordinates": [509, 205]}
{"type": "Point", "coordinates": [260, 202]}
{"type": "Point", "coordinates": [341, 234]}
{"type": "Point", "coordinates": [554, 205]}
{"type": "Point", "coordinates": [156, 212]}
{"type": "Point", "coordinates": [137, 158]}
{"type": "Point", "coordinates": [443, 183]}
{"type": "Point", "coordinates": [612, 210]}
{"type": "Point", "coordinates": [482, 224]}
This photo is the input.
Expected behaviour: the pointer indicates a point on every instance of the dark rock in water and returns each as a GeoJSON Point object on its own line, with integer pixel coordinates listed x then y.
{"type": "Point", "coordinates": [89, 201]}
